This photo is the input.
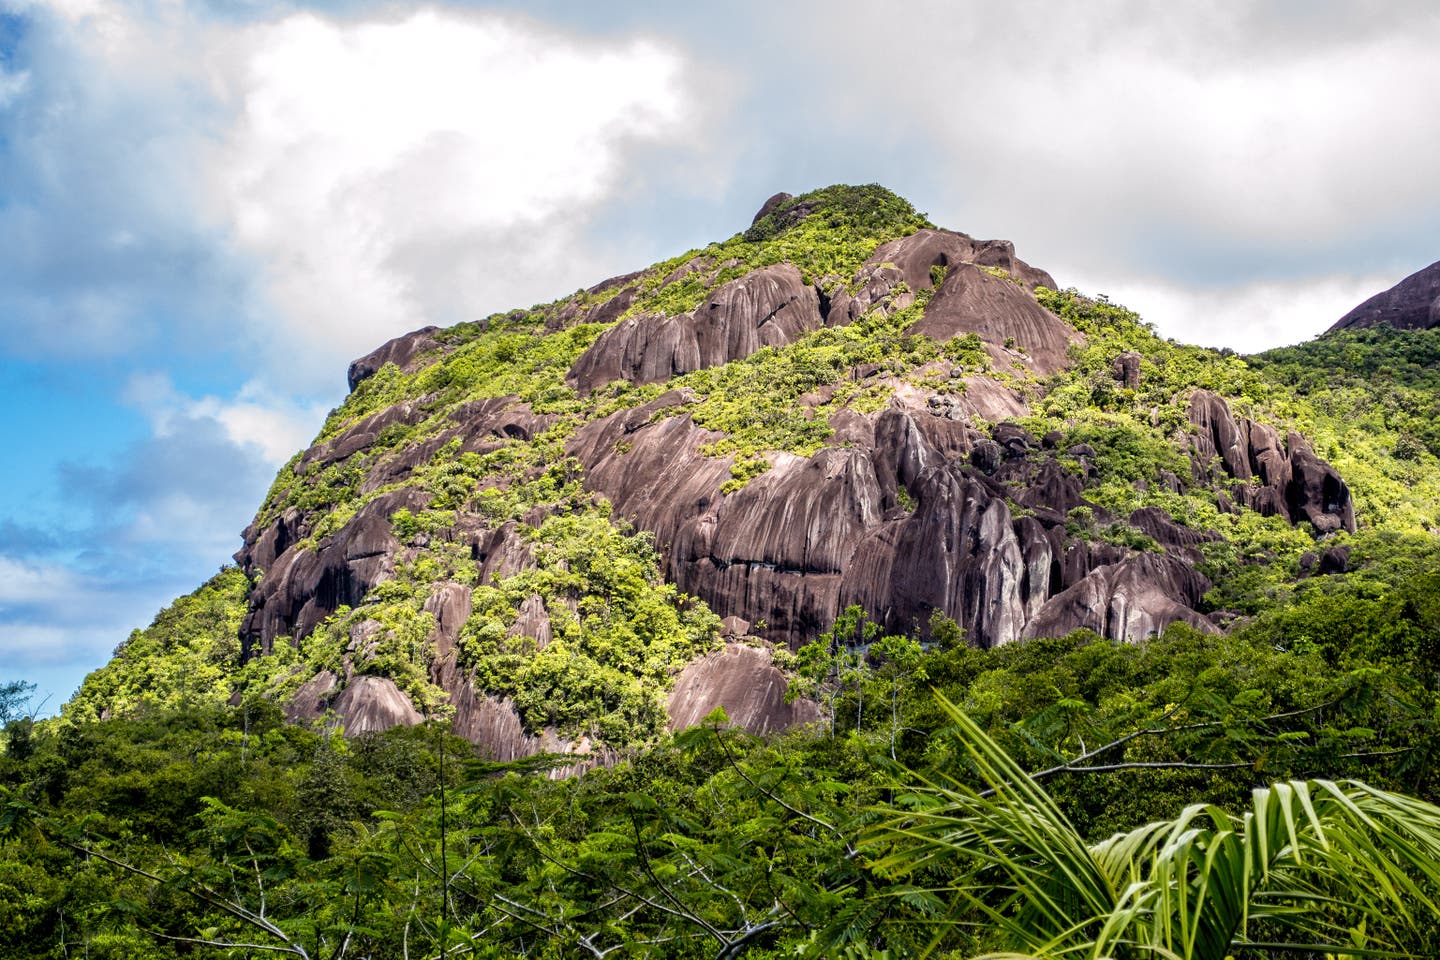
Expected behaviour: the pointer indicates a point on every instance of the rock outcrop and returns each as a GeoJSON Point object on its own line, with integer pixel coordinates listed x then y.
{"type": "Point", "coordinates": [811, 536]}
{"type": "Point", "coordinates": [1412, 304]}
{"type": "Point", "coordinates": [401, 351]}
{"type": "Point", "coordinates": [302, 585]}
{"type": "Point", "coordinates": [1275, 477]}
{"type": "Point", "coordinates": [1128, 600]}
{"type": "Point", "coordinates": [741, 680]}
{"type": "Point", "coordinates": [769, 307]}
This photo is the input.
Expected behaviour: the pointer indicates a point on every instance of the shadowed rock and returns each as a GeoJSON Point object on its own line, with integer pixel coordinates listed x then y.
{"type": "Point", "coordinates": [1293, 482]}
{"type": "Point", "coordinates": [1135, 598]}
{"type": "Point", "coordinates": [1412, 304]}
{"type": "Point", "coordinates": [770, 206]}
{"type": "Point", "coordinates": [303, 586]}
{"type": "Point", "coordinates": [1126, 368]}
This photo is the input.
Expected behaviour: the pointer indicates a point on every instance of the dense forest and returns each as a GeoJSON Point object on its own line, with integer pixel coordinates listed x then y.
{"type": "Point", "coordinates": [1260, 789]}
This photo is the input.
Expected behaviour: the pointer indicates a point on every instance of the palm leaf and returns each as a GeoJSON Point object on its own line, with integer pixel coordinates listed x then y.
{"type": "Point", "coordinates": [1313, 862]}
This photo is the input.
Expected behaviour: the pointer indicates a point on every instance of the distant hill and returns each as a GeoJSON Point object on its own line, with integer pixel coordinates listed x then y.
{"type": "Point", "coordinates": [1412, 304]}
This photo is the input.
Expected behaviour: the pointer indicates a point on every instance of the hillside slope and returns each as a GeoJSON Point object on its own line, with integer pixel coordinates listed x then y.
{"type": "Point", "coordinates": [577, 524]}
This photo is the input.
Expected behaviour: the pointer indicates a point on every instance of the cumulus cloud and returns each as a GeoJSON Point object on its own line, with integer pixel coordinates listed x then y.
{"type": "Point", "coordinates": [1192, 142]}
{"type": "Point", "coordinates": [268, 425]}
{"type": "Point", "coordinates": [53, 618]}
{"type": "Point", "coordinates": [386, 174]}
{"type": "Point", "coordinates": [102, 247]}
{"type": "Point", "coordinates": [277, 192]}
{"type": "Point", "coordinates": [178, 497]}
{"type": "Point", "coordinates": [148, 525]}
{"type": "Point", "coordinates": [139, 530]}
{"type": "Point", "coordinates": [1247, 317]}
{"type": "Point", "coordinates": [309, 186]}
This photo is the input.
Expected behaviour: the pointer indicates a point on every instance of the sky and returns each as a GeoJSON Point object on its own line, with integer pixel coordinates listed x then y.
{"type": "Point", "coordinates": [207, 209]}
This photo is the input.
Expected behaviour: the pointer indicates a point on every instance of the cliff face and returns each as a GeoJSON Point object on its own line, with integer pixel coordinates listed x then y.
{"type": "Point", "coordinates": [540, 520]}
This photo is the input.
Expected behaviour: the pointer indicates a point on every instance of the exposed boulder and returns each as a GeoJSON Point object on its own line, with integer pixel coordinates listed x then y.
{"type": "Point", "coordinates": [1292, 481]}
{"type": "Point", "coordinates": [533, 621]}
{"type": "Point", "coordinates": [312, 699]}
{"type": "Point", "coordinates": [1315, 491]}
{"type": "Point", "coordinates": [1126, 368]}
{"type": "Point", "coordinates": [987, 455]}
{"type": "Point", "coordinates": [770, 206]}
{"type": "Point", "coordinates": [914, 257]}
{"type": "Point", "coordinates": [1000, 311]}
{"type": "Point", "coordinates": [1335, 560]}
{"type": "Point", "coordinates": [1412, 304]}
{"type": "Point", "coordinates": [771, 306]}
{"type": "Point", "coordinates": [402, 351]}
{"type": "Point", "coordinates": [374, 703]}
{"type": "Point", "coordinates": [1129, 600]}
{"type": "Point", "coordinates": [957, 553]}
{"type": "Point", "coordinates": [743, 681]}
{"type": "Point", "coordinates": [734, 628]}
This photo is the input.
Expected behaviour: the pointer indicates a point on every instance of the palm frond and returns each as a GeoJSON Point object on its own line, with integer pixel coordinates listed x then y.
{"type": "Point", "coordinates": [1343, 868]}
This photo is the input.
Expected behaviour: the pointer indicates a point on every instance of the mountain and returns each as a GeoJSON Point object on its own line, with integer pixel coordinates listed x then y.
{"type": "Point", "coordinates": [1412, 304]}
{"type": "Point", "coordinates": [579, 524]}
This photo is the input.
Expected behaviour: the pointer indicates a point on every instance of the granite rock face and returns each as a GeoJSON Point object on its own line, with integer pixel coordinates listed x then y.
{"type": "Point", "coordinates": [302, 586]}
{"type": "Point", "coordinates": [401, 351]}
{"type": "Point", "coordinates": [1276, 477]}
{"type": "Point", "coordinates": [770, 307]}
{"type": "Point", "coordinates": [812, 536]}
{"type": "Point", "coordinates": [743, 682]}
{"type": "Point", "coordinates": [1412, 304]}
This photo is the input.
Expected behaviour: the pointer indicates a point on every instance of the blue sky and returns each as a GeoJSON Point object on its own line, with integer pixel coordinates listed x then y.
{"type": "Point", "coordinates": [208, 209]}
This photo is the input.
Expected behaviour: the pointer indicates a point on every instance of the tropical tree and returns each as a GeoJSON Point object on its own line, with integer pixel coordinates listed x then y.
{"type": "Point", "coordinates": [1312, 867]}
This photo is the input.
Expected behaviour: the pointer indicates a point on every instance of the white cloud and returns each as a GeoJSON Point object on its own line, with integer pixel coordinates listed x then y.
{"type": "Point", "coordinates": [258, 416]}
{"type": "Point", "coordinates": [55, 624]}
{"type": "Point", "coordinates": [27, 582]}
{"type": "Point", "coordinates": [377, 168]}
{"type": "Point", "coordinates": [1150, 138]}
{"type": "Point", "coordinates": [12, 85]}
{"type": "Point", "coordinates": [326, 183]}
{"type": "Point", "coordinates": [1247, 317]}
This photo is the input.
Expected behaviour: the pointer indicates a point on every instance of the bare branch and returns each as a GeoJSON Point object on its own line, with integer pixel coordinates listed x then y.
{"type": "Point", "coordinates": [221, 944]}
